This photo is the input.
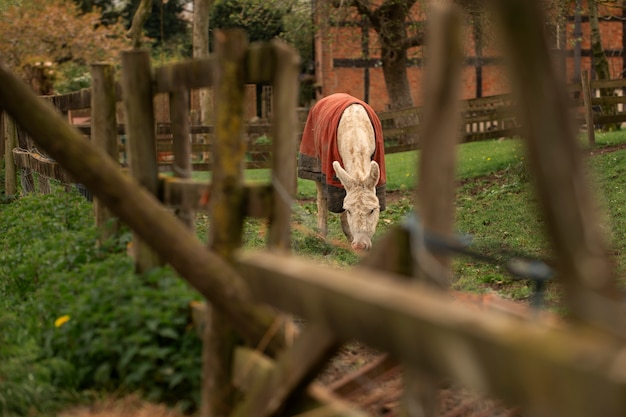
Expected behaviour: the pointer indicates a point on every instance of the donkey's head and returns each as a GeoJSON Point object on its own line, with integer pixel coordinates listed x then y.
{"type": "Point", "coordinates": [361, 205]}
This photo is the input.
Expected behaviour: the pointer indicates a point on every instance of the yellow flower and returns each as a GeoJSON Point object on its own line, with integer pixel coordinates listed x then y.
{"type": "Point", "coordinates": [61, 321]}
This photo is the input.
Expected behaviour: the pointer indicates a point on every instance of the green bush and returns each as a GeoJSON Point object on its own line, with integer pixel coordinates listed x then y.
{"type": "Point", "coordinates": [118, 331]}
{"type": "Point", "coordinates": [42, 234]}
{"type": "Point", "coordinates": [124, 332]}
{"type": "Point", "coordinates": [28, 382]}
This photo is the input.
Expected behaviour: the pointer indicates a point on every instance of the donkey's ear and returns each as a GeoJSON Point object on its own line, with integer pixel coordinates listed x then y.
{"type": "Point", "coordinates": [343, 176]}
{"type": "Point", "coordinates": [374, 176]}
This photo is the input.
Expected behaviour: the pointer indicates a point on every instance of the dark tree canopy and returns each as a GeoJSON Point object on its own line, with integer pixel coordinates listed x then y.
{"type": "Point", "coordinates": [168, 18]}
{"type": "Point", "coordinates": [107, 8]}
{"type": "Point", "coordinates": [261, 19]}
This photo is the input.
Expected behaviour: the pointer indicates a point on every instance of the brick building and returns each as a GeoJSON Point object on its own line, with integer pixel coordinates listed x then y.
{"type": "Point", "coordinates": [347, 55]}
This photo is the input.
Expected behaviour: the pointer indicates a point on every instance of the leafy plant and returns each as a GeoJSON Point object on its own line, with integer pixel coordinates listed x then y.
{"type": "Point", "coordinates": [123, 332]}
{"type": "Point", "coordinates": [56, 234]}
{"type": "Point", "coordinates": [263, 140]}
{"type": "Point", "coordinates": [40, 38]}
{"type": "Point", "coordinates": [28, 383]}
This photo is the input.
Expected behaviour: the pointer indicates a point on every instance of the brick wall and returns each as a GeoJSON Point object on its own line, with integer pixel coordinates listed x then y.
{"type": "Point", "coordinates": [346, 59]}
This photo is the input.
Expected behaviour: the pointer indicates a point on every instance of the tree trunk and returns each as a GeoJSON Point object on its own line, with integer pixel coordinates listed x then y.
{"type": "Point", "coordinates": [398, 89]}
{"type": "Point", "coordinates": [600, 63]}
{"type": "Point", "coordinates": [394, 70]}
{"type": "Point", "coordinates": [389, 21]}
{"type": "Point", "coordinates": [201, 10]}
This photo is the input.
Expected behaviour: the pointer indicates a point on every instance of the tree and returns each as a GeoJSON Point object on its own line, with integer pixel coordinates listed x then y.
{"type": "Point", "coordinates": [55, 35]}
{"type": "Point", "coordinates": [299, 30]}
{"type": "Point", "coordinates": [600, 63]}
{"type": "Point", "coordinates": [201, 42]}
{"type": "Point", "coordinates": [108, 9]}
{"type": "Point", "coordinates": [397, 33]}
{"type": "Point", "coordinates": [262, 20]}
{"type": "Point", "coordinates": [164, 22]}
{"type": "Point", "coordinates": [4, 4]}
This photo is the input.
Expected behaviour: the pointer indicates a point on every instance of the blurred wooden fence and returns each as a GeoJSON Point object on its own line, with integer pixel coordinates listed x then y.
{"type": "Point", "coordinates": [574, 370]}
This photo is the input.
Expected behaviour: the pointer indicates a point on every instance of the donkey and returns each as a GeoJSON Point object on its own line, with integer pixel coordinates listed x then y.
{"type": "Point", "coordinates": [342, 151]}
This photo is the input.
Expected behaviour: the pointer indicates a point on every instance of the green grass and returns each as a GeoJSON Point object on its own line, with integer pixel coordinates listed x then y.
{"type": "Point", "coordinates": [50, 268]}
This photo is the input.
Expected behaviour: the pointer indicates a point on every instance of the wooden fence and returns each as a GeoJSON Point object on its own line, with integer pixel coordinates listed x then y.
{"type": "Point", "coordinates": [576, 369]}
{"type": "Point", "coordinates": [483, 118]}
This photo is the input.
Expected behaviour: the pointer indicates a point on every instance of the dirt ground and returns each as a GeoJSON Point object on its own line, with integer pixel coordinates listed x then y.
{"type": "Point", "coordinates": [380, 393]}
{"type": "Point", "coordinates": [379, 397]}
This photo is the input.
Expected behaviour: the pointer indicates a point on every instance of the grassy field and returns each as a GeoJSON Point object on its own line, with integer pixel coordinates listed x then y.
{"type": "Point", "coordinates": [76, 322]}
{"type": "Point", "coordinates": [475, 159]}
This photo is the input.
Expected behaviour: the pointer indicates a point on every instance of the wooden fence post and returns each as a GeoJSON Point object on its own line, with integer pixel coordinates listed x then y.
{"type": "Point", "coordinates": [104, 136]}
{"type": "Point", "coordinates": [26, 174]}
{"type": "Point", "coordinates": [284, 144]}
{"type": "Point", "coordinates": [584, 267]}
{"type": "Point", "coordinates": [141, 133]}
{"type": "Point", "coordinates": [588, 107]}
{"type": "Point", "coordinates": [181, 142]}
{"type": "Point", "coordinates": [10, 173]}
{"type": "Point", "coordinates": [226, 211]}
{"type": "Point", "coordinates": [3, 122]}
{"type": "Point", "coordinates": [440, 136]}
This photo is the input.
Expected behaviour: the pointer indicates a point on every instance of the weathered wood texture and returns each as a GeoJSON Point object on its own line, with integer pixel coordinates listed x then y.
{"type": "Point", "coordinates": [205, 271]}
{"type": "Point", "coordinates": [9, 141]}
{"type": "Point", "coordinates": [226, 212]}
{"type": "Point", "coordinates": [250, 365]}
{"type": "Point", "coordinates": [187, 194]}
{"type": "Point", "coordinates": [580, 246]}
{"type": "Point", "coordinates": [104, 135]}
{"type": "Point", "coordinates": [518, 361]}
{"type": "Point", "coordinates": [586, 93]}
{"type": "Point", "coordinates": [530, 364]}
{"type": "Point", "coordinates": [436, 190]}
{"type": "Point", "coordinates": [138, 96]}
{"type": "Point", "coordinates": [3, 134]}
{"type": "Point", "coordinates": [179, 114]}
{"type": "Point", "coordinates": [284, 144]}
{"type": "Point", "coordinates": [293, 370]}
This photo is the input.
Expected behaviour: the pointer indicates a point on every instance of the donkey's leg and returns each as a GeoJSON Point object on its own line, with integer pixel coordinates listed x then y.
{"type": "Point", "coordinates": [345, 226]}
{"type": "Point", "coordinates": [322, 210]}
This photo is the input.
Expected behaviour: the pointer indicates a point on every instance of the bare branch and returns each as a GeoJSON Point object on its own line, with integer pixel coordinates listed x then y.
{"type": "Point", "coordinates": [361, 6]}
{"type": "Point", "coordinates": [413, 41]}
{"type": "Point", "coordinates": [140, 17]}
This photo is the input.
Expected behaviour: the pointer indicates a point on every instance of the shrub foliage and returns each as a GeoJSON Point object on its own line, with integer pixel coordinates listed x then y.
{"type": "Point", "coordinates": [75, 317]}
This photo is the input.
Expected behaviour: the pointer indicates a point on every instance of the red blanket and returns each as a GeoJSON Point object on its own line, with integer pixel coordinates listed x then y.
{"type": "Point", "coordinates": [318, 148]}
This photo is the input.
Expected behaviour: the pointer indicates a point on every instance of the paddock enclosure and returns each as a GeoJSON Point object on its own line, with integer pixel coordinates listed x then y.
{"type": "Point", "coordinates": [397, 298]}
